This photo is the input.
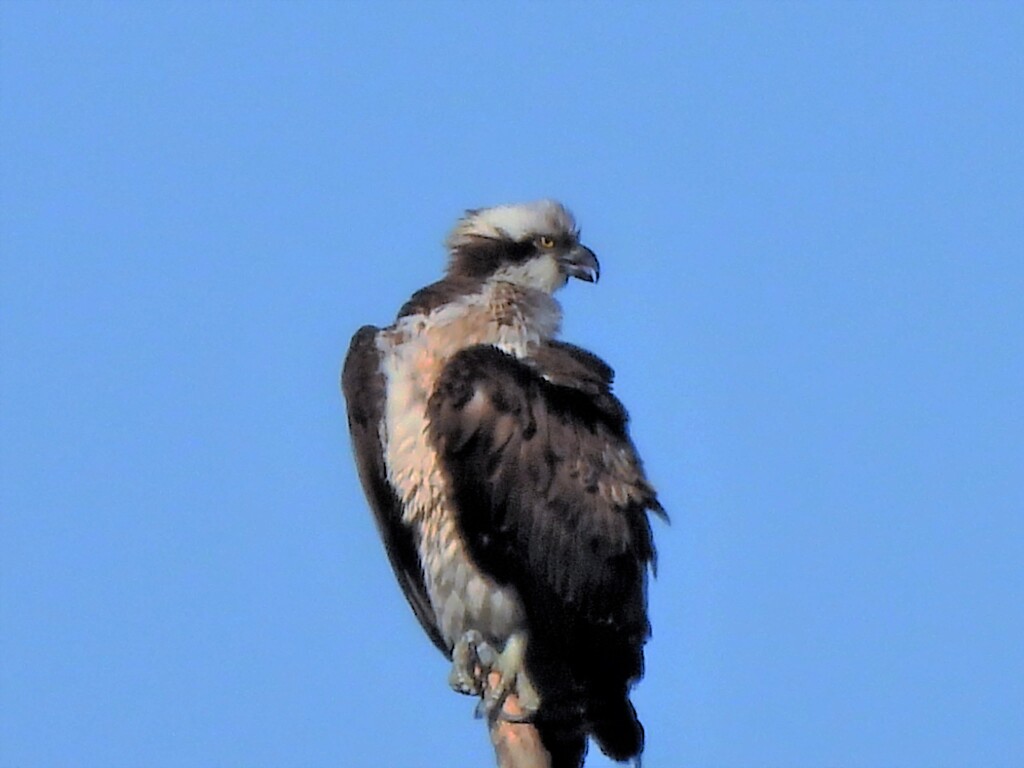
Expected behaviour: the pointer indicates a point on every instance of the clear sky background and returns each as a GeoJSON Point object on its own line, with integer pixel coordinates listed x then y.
{"type": "Point", "coordinates": [810, 219]}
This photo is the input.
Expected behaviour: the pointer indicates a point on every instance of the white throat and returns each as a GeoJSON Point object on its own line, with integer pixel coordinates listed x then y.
{"type": "Point", "coordinates": [542, 273]}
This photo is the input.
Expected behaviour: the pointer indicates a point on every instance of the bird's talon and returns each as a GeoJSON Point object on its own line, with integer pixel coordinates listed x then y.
{"type": "Point", "coordinates": [468, 674]}
{"type": "Point", "coordinates": [512, 680]}
{"type": "Point", "coordinates": [480, 711]}
{"type": "Point", "coordinates": [519, 717]}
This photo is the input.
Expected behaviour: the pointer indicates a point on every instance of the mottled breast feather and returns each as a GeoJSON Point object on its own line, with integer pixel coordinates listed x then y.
{"type": "Point", "coordinates": [364, 387]}
{"type": "Point", "coordinates": [552, 499]}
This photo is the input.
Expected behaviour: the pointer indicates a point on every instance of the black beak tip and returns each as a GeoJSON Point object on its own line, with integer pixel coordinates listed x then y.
{"type": "Point", "coordinates": [582, 263]}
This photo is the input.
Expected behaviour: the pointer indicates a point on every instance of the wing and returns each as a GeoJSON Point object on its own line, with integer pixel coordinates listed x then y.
{"type": "Point", "coordinates": [364, 388]}
{"type": "Point", "coordinates": [548, 488]}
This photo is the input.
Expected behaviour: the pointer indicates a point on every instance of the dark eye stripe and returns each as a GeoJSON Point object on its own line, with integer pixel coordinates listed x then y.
{"type": "Point", "coordinates": [484, 256]}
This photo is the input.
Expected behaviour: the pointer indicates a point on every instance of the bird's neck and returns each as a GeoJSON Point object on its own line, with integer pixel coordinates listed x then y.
{"type": "Point", "coordinates": [506, 308]}
{"type": "Point", "coordinates": [513, 318]}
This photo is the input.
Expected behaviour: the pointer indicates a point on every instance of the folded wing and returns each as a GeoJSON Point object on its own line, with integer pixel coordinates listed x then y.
{"type": "Point", "coordinates": [363, 385]}
{"type": "Point", "coordinates": [552, 499]}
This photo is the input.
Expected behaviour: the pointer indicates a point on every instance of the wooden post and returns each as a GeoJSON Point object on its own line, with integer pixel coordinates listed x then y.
{"type": "Point", "coordinates": [516, 745]}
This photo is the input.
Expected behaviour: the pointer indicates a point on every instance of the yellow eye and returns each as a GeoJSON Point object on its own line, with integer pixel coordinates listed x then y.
{"type": "Point", "coordinates": [546, 242]}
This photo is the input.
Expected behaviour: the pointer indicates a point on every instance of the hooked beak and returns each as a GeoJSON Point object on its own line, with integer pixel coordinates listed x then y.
{"type": "Point", "coordinates": [580, 262]}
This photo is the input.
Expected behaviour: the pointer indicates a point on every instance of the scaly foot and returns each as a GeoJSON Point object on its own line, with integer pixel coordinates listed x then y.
{"type": "Point", "coordinates": [472, 659]}
{"type": "Point", "coordinates": [512, 679]}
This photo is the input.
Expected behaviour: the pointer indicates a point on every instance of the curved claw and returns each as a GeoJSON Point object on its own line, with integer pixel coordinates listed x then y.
{"type": "Point", "coordinates": [514, 717]}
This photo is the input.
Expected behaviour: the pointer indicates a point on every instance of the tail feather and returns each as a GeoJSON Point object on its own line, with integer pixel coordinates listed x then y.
{"type": "Point", "coordinates": [617, 729]}
{"type": "Point", "coordinates": [566, 748]}
{"type": "Point", "coordinates": [584, 681]}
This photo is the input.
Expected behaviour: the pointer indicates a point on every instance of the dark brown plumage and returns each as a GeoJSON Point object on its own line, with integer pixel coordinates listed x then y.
{"type": "Point", "coordinates": [527, 459]}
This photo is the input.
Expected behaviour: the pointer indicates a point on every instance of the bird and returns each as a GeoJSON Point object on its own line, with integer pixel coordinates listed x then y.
{"type": "Point", "coordinates": [500, 470]}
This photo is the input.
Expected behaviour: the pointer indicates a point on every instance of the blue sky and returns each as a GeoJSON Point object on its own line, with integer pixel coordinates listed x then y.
{"type": "Point", "coordinates": [809, 218]}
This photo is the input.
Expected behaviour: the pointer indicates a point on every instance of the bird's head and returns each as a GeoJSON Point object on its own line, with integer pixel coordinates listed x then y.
{"type": "Point", "coordinates": [535, 245]}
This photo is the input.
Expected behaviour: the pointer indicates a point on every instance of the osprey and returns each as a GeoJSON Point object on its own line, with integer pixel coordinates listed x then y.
{"type": "Point", "coordinates": [510, 498]}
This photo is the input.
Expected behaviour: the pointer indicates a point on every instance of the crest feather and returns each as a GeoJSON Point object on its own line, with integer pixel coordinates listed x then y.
{"type": "Point", "coordinates": [513, 222]}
